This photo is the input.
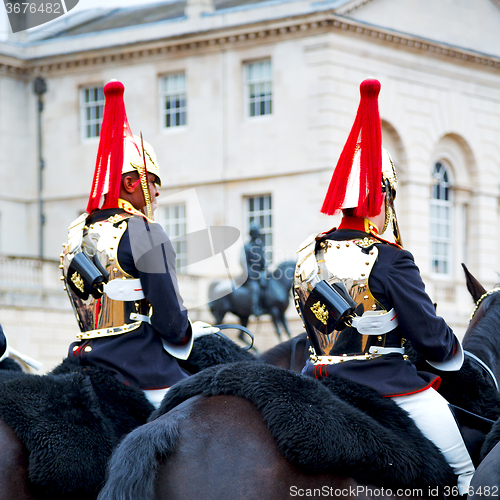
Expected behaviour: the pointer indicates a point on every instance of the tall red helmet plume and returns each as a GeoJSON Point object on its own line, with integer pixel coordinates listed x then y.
{"type": "Point", "coordinates": [109, 162]}
{"type": "Point", "coordinates": [366, 134]}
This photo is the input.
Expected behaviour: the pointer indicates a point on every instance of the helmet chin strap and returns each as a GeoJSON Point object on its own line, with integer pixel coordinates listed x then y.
{"type": "Point", "coordinates": [395, 227]}
{"type": "Point", "coordinates": [142, 189]}
{"type": "Point", "coordinates": [143, 176]}
{"type": "Point", "coordinates": [390, 213]}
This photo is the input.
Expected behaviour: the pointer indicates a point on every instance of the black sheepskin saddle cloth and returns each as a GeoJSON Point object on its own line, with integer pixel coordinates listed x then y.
{"type": "Point", "coordinates": [212, 350]}
{"type": "Point", "coordinates": [333, 426]}
{"type": "Point", "coordinates": [69, 421]}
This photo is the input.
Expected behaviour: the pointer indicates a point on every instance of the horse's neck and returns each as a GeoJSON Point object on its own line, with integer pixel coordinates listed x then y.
{"type": "Point", "coordinates": [486, 352]}
{"type": "Point", "coordinates": [483, 341]}
{"type": "Point", "coordinates": [281, 355]}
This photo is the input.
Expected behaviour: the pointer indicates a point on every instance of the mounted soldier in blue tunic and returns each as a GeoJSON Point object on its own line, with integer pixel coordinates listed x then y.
{"type": "Point", "coordinates": [360, 296]}
{"type": "Point", "coordinates": [119, 267]}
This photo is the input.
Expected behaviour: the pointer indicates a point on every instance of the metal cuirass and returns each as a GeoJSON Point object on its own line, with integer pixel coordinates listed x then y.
{"type": "Point", "coordinates": [348, 264]}
{"type": "Point", "coordinates": [106, 300]}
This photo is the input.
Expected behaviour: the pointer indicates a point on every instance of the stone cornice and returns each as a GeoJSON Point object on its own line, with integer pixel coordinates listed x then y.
{"type": "Point", "coordinates": [414, 42]}
{"type": "Point", "coordinates": [13, 66]}
{"type": "Point", "coordinates": [229, 37]}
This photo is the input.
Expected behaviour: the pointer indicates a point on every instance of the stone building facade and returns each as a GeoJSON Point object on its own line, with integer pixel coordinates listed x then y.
{"type": "Point", "coordinates": [248, 105]}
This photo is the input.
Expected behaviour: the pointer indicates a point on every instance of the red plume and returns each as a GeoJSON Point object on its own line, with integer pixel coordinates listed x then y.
{"type": "Point", "coordinates": [109, 162]}
{"type": "Point", "coordinates": [367, 131]}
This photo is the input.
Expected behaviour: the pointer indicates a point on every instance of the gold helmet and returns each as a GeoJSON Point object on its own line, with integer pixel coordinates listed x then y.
{"type": "Point", "coordinates": [133, 157]}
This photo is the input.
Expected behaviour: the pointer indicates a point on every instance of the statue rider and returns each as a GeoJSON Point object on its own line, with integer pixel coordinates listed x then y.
{"type": "Point", "coordinates": [360, 296]}
{"type": "Point", "coordinates": [118, 267]}
{"type": "Point", "coordinates": [256, 266]}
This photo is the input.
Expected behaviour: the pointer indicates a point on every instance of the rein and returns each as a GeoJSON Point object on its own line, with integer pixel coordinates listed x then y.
{"type": "Point", "coordinates": [292, 354]}
{"type": "Point", "coordinates": [479, 362]}
{"type": "Point", "coordinates": [484, 366]}
{"type": "Point", "coordinates": [235, 327]}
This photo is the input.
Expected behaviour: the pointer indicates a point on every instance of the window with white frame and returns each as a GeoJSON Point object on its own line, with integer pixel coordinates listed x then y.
{"type": "Point", "coordinates": [175, 226]}
{"type": "Point", "coordinates": [173, 100]}
{"type": "Point", "coordinates": [91, 110]}
{"type": "Point", "coordinates": [441, 221]}
{"type": "Point", "coordinates": [258, 80]}
{"type": "Point", "coordinates": [259, 210]}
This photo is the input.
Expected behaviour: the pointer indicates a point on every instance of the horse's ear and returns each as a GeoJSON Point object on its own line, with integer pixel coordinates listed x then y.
{"type": "Point", "coordinates": [475, 288]}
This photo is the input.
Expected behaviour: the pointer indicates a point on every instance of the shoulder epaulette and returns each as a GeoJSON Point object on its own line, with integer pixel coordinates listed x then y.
{"type": "Point", "coordinates": [114, 219]}
{"type": "Point", "coordinates": [382, 240]}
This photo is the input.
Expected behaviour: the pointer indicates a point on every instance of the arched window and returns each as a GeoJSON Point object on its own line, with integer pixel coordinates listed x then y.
{"type": "Point", "coordinates": [441, 221]}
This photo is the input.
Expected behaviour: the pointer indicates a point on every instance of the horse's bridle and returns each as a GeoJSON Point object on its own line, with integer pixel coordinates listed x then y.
{"type": "Point", "coordinates": [480, 300]}
{"type": "Point", "coordinates": [479, 362]}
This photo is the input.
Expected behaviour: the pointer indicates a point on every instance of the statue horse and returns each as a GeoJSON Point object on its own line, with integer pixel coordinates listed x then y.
{"type": "Point", "coordinates": [203, 444]}
{"type": "Point", "coordinates": [239, 302]}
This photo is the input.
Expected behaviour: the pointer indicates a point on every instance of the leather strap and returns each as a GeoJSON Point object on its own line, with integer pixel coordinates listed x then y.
{"type": "Point", "coordinates": [482, 365]}
{"type": "Point", "coordinates": [140, 317]}
{"type": "Point", "coordinates": [235, 327]}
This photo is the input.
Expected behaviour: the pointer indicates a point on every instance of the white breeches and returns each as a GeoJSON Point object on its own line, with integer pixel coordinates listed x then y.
{"type": "Point", "coordinates": [155, 396]}
{"type": "Point", "coordinates": [430, 411]}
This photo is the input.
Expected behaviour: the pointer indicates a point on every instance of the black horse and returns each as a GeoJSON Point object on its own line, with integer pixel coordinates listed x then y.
{"type": "Point", "coordinates": [223, 449]}
{"type": "Point", "coordinates": [239, 302]}
{"type": "Point", "coordinates": [210, 446]}
{"type": "Point", "coordinates": [485, 323]}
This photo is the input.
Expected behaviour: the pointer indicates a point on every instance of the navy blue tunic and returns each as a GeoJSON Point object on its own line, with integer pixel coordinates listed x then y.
{"type": "Point", "coordinates": [395, 282]}
{"type": "Point", "coordinates": [3, 342]}
{"type": "Point", "coordinates": [137, 358]}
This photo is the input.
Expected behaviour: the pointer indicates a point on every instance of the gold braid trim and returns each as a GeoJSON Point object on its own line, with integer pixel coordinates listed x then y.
{"type": "Point", "coordinates": [484, 296]}
{"type": "Point", "coordinates": [143, 175]}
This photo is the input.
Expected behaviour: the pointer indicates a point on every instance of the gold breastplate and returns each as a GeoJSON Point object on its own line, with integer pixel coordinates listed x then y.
{"type": "Point", "coordinates": [349, 263]}
{"type": "Point", "coordinates": [97, 314]}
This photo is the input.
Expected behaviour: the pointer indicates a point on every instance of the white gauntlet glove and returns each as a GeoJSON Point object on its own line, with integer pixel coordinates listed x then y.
{"type": "Point", "coordinates": [200, 328]}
